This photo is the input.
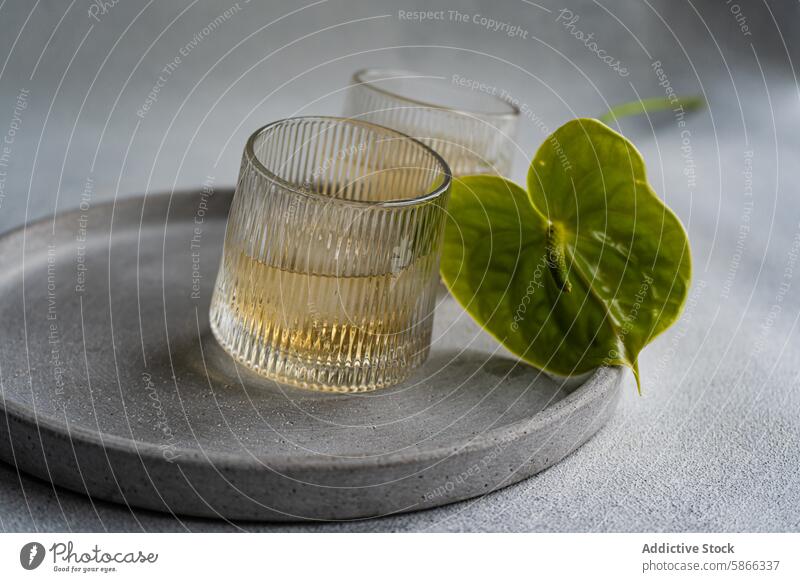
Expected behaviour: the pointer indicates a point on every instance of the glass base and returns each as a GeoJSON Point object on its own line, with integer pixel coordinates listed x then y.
{"type": "Point", "coordinates": [315, 373]}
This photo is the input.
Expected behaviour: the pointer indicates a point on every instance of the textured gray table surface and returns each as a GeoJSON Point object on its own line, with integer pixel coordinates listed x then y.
{"type": "Point", "coordinates": [714, 441]}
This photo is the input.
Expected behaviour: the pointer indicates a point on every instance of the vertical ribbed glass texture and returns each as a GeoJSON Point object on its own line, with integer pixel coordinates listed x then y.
{"type": "Point", "coordinates": [330, 268]}
{"type": "Point", "coordinates": [472, 129]}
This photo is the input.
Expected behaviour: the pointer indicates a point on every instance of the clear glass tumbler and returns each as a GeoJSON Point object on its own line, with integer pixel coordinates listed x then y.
{"type": "Point", "coordinates": [331, 259]}
{"type": "Point", "coordinates": [472, 128]}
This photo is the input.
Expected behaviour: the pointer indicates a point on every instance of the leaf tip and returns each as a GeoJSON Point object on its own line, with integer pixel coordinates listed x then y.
{"type": "Point", "coordinates": [635, 369]}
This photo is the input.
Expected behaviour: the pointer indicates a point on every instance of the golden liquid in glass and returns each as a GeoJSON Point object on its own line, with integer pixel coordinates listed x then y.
{"type": "Point", "coordinates": [326, 331]}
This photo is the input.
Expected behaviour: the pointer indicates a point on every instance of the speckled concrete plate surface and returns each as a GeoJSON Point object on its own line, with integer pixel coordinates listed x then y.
{"type": "Point", "coordinates": [112, 385]}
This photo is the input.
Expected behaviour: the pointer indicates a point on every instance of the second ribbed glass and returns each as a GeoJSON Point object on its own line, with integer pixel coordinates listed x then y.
{"type": "Point", "coordinates": [328, 276]}
{"type": "Point", "coordinates": [472, 129]}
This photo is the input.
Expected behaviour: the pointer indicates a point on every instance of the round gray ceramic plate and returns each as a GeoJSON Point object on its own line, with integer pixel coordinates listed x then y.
{"type": "Point", "coordinates": [113, 386]}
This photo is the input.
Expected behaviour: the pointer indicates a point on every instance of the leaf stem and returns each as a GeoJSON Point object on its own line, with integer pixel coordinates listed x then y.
{"type": "Point", "coordinates": [652, 105]}
{"type": "Point", "coordinates": [556, 262]}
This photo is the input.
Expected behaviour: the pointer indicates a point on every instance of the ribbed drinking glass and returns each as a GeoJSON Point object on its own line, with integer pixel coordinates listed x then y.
{"type": "Point", "coordinates": [472, 128]}
{"type": "Point", "coordinates": [330, 267]}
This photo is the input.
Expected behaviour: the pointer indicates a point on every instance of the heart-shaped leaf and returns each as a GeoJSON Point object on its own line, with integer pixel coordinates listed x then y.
{"type": "Point", "coordinates": [582, 270]}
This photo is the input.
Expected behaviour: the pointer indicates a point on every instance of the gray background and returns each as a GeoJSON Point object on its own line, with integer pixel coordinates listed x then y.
{"type": "Point", "coordinates": [713, 442]}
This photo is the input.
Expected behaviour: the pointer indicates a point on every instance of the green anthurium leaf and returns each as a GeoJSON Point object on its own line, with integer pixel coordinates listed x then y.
{"type": "Point", "coordinates": [582, 270]}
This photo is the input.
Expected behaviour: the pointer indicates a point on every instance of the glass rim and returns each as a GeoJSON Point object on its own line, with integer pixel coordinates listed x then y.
{"type": "Point", "coordinates": [300, 190]}
{"type": "Point", "coordinates": [360, 78]}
